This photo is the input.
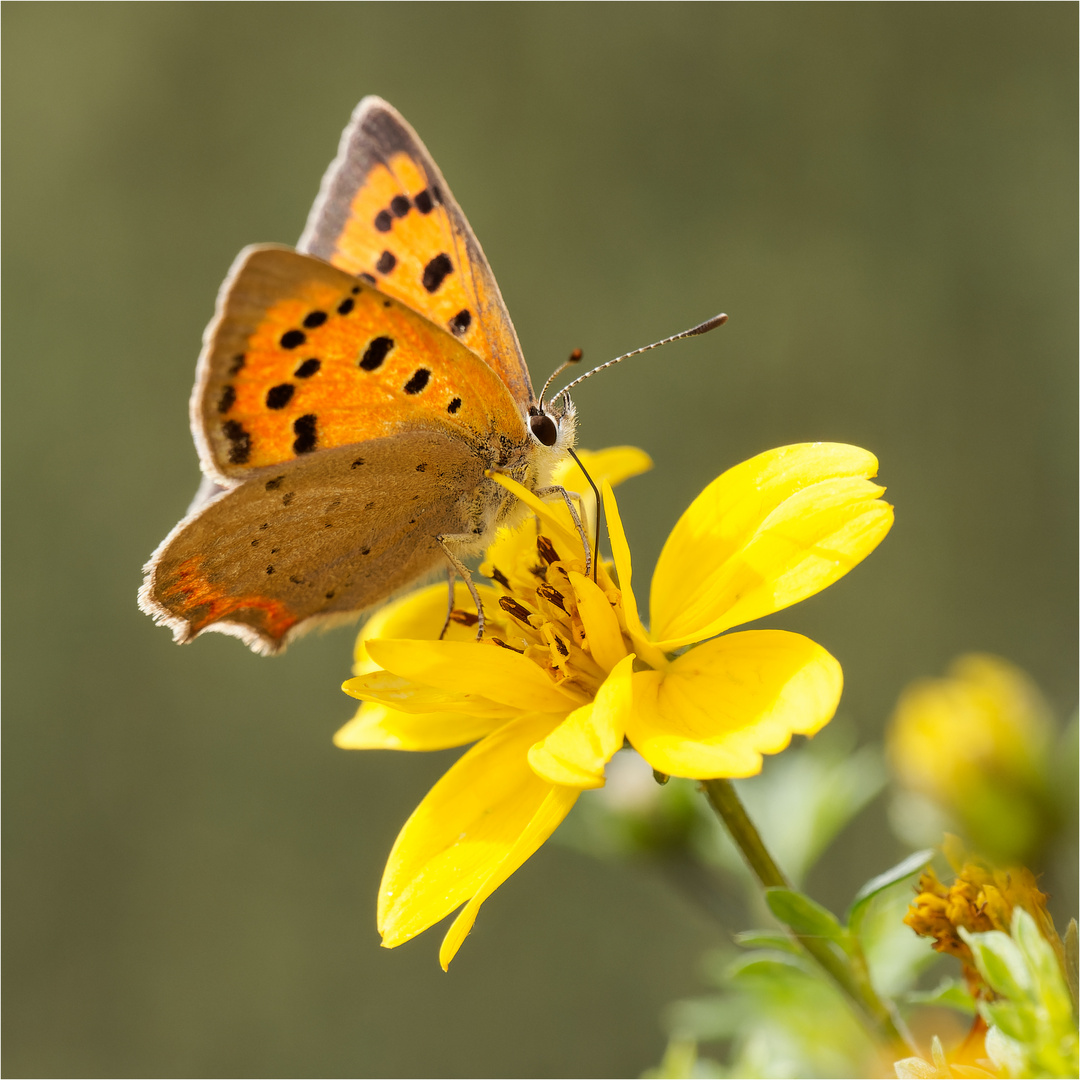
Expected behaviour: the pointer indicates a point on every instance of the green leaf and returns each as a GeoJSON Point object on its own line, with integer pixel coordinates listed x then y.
{"type": "Point", "coordinates": [679, 1060]}
{"type": "Point", "coordinates": [1000, 962]}
{"type": "Point", "coordinates": [763, 962]}
{"type": "Point", "coordinates": [710, 1018]}
{"type": "Point", "coordinates": [805, 916]}
{"type": "Point", "coordinates": [1009, 1058]}
{"type": "Point", "coordinates": [1011, 1021]}
{"type": "Point", "coordinates": [1071, 957]}
{"type": "Point", "coordinates": [950, 994]}
{"type": "Point", "coordinates": [767, 939]}
{"type": "Point", "coordinates": [903, 869]}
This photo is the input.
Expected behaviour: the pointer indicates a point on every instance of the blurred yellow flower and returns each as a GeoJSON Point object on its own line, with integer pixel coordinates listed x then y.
{"type": "Point", "coordinates": [568, 670]}
{"type": "Point", "coordinates": [975, 743]}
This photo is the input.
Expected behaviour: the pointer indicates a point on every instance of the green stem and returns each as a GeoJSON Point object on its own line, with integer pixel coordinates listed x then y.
{"type": "Point", "coordinates": [853, 980]}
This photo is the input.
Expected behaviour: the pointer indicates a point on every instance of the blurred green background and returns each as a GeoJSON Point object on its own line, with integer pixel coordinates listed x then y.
{"type": "Point", "coordinates": [881, 196]}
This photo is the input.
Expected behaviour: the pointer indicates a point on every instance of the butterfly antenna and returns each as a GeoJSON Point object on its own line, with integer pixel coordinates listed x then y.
{"type": "Point", "coordinates": [701, 328]}
{"type": "Point", "coordinates": [575, 358]}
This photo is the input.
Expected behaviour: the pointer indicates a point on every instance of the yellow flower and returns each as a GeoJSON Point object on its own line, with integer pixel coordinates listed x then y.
{"type": "Point", "coordinates": [975, 742]}
{"type": "Point", "coordinates": [568, 672]}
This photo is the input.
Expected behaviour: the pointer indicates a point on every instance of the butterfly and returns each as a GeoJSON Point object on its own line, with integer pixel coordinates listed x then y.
{"type": "Point", "coordinates": [352, 399]}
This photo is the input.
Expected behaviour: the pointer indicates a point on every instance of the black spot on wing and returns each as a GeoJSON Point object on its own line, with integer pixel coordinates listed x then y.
{"type": "Point", "coordinates": [277, 397]}
{"type": "Point", "coordinates": [400, 205]}
{"type": "Point", "coordinates": [418, 381]}
{"type": "Point", "coordinates": [461, 321]}
{"type": "Point", "coordinates": [376, 353]}
{"type": "Point", "coordinates": [227, 399]}
{"type": "Point", "coordinates": [346, 306]}
{"type": "Point", "coordinates": [435, 272]}
{"type": "Point", "coordinates": [383, 221]}
{"type": "Point", "coordinates": [314, 318]}
{"type": "Point", "coordinates": [240, 441]}
{"type": "Point", "coordinates": [369, 278]}
{"type": "Point", "coordinates": [387, 262]}
{"type": "Point", "coordinates": [237, 363]}
{"type": "Point", "coordinates": [291, 339]}
{"type": "Point", "coordinates": [306, 437]}
{"type": "Point", "coordinates": [288, 498]}
{"type": "Point", "coordinates": [424, 202]}
{"type": "Point", "coordinates": [454, 406]}
{"type": "Point", "coordinates": [273, 485]}
{"type": "Point", "coordinates": [308, 368]}
{"type": "Point", "coordinates": [357, 463]}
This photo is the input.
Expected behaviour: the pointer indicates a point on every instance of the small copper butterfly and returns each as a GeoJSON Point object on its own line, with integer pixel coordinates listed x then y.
{"type": "Point", "coordinates": [351, 400]}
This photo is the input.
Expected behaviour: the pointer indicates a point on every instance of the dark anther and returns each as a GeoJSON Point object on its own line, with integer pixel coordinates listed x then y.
{"type": "Point", "coordinates": [551, 595]}
{"type": "Point", "coordinates": [464, 618]}
{"type": "Point", "coordinates": [502, 644]}
{"type": "Point", "coordinates": [512, 607]}
{"type": "Point", "coordinates": [546, 550]}
{"type": "Point", "coordinates": [500, 577]}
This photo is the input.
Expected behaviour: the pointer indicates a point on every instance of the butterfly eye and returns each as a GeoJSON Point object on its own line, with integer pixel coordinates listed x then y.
{"type": "Point", "coordinates": [544, 429]}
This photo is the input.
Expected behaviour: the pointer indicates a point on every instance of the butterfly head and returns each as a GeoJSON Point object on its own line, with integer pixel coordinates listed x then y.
{"type": "Point", "coordinates": [554, 424]}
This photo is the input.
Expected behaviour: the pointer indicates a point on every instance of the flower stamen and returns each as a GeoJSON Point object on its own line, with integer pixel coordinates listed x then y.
{"type": "Point", "coordinates": [546, 550]}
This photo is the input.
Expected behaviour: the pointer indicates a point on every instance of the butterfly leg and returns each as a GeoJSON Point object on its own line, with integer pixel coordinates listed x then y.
{"type": "Point", "coordinates": [463, 572]}
{"type": "Point", "coordinates": [549, 492]}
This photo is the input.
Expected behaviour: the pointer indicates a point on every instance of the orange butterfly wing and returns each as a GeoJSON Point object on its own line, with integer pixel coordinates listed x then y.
{"type": "Point", "coordinates": [302, 356]}
{"type": "Point", "coordinates": [386, 214]}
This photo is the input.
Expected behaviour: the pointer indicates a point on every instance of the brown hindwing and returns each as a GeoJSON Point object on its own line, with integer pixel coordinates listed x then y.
{"type": "Point", "coordinates": [331, 534]}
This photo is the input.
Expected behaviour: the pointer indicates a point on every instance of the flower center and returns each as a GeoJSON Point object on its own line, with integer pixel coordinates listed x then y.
{"type": "Point", "coordinates": [545, 620]}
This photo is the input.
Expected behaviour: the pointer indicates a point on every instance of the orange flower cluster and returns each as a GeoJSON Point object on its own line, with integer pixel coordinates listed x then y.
{"type": "Point", "coordinates": [981, 898]}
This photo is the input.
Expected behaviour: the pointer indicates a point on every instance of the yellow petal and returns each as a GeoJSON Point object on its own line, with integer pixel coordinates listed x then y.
{"type": "Point", "coordinates": [603, 636]}
{"type": "Point", "coordinates": [548, 512]}
{"type": "Point", "coordinates": [482, 668]}
{"type": "Point", "coordinates": [421, 614]}
{"type": "Point", "coordinates": [386, 688]}
{"type": "Point", "coordinates": [764, 535]}
{"type": "Point", "coordinates": [376, 727]}
{"type": "Point", "coordinates": [576, 752]}
{"type": "Point", "coordinates": [556, 805]}
{"type": "Point", "coordinates": [462, 830]}
{"type": "Point", "coordinates": [620, 551]}
{"type": "Point", "coordinates": [719, 707]}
